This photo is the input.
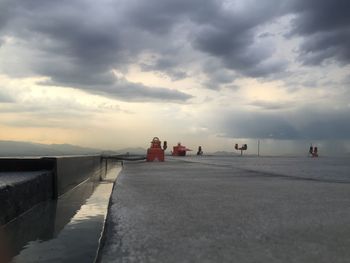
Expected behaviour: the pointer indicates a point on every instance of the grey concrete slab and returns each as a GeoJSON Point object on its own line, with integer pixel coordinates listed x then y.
{"type": "Point", "coordinates": [180, 211]}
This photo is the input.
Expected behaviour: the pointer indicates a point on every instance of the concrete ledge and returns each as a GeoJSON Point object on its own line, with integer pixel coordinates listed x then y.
{"type": "Point", "coordinates": [26, 164]}
{"type": "Point", "coordinates": [71, 171]}
{"type": "Point", "coordinates": [25, 182]}
{"type": "Point", "coordinates": [20, 196]}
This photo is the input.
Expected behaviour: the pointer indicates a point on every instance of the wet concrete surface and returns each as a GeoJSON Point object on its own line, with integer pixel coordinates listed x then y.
{"type": "Point", "coordinates": [25, 182]}
{"type": "Point", "coordinates": [64, 230]}
{"type": "Point", "coordinates": [180, 211]}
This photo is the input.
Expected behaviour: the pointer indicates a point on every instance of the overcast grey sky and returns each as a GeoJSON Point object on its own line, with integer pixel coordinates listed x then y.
{"type": "Point", "coordinates": [115, 73]}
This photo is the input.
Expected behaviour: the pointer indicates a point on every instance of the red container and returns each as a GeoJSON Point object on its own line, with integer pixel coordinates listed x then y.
{"type": "Point", "coordinates": [155, 152]}
{"type": "Point", "coordinates": [179, 150]}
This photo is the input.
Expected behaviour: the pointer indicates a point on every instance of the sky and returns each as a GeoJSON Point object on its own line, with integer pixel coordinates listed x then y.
{"type": "Point", "coordinates": [116, 73]}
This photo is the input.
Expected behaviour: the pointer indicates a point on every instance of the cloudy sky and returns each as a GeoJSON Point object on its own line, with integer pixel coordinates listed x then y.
{"type": "Point", "coordinates": [116, 73]}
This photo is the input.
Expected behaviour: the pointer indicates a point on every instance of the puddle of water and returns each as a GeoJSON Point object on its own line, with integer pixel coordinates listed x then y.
{"type": "Point", "coordinates": [66, 230]}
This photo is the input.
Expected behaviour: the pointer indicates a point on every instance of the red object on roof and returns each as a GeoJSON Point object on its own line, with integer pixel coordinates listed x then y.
{"type": "Point", "coordinates": [180, 150]}
{"type": "Point", "coordinates": [155, 152]}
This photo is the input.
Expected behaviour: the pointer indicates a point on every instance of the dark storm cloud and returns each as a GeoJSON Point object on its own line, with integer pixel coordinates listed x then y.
{"type": "Point", "coordinates": [258, 125]}
{"type": "Point", "coordinates": [122, 89]}
{"type": "Point", "coordinates": [218, 76]}
{"type": "Point", "coordinates": [301, 124]}
{"type": "Point", "coordinates": [139, 92]}
{"type": "Point", "coordinates": [331, 124]}
{"type": "Point", "coordinates": [76, 77]}
{"type": "Point", "coordinates": [325, 26]}
{"type": "Point", "coordinates": [321, 15]}
{"type": "Point", "coordinates": [80, 42]}
{"type": "Point", "coordinates": [161, 16]}
{"type": "Point", "coordinates": [5, 12]}
{"type": "Point", "coordinates": [230, 36]}
{"type": "Point", "coordinates": [169, 65]}
{"type": "Point", "coordinates": [76, 31]}
{"type": "Point", "coordinates": [96, 37]}
{"type": "Point", "coordinates": [228, 30]}
{"type": "Point", "coordinates": [266, 34]}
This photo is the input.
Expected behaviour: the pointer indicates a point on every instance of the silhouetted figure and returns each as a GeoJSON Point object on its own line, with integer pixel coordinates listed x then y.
{"type": "Point", "coordinates": [311, 150]}
{"type": "Point", "coordinates": [200, 152]}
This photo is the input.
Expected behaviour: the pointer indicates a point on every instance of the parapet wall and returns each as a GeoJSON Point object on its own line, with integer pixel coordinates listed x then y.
{"type": "Point", "coordinates": [26, 164]}
{"type": "Point", "coordinates": [71, 171]}
{"type": "Point", "coordinates": [23, 194]}
{"type": "Point", "coordinates": [24, 182]}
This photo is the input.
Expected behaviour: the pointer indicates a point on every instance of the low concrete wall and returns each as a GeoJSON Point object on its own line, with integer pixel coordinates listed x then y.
{"type": "Point", "coordinates": [71, 171]}
{"type": "Point", "coordinates": [54, 177]}
{"type": "Point", "coordinates": [26, 164]}
{"type": "Point", "coordinates": [18, 197]}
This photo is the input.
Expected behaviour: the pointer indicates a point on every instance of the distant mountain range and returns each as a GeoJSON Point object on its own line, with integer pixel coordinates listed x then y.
{"type": "Point", "coordinates": [27, 149]}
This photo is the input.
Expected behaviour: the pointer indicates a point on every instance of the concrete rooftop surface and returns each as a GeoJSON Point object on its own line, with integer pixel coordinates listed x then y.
{"type": "Point", "coordinates": [191, 210]}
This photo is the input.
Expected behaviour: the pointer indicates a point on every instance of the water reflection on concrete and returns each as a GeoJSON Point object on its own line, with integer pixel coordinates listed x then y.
{"type": "Point", "coordinates": [66, 230]}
